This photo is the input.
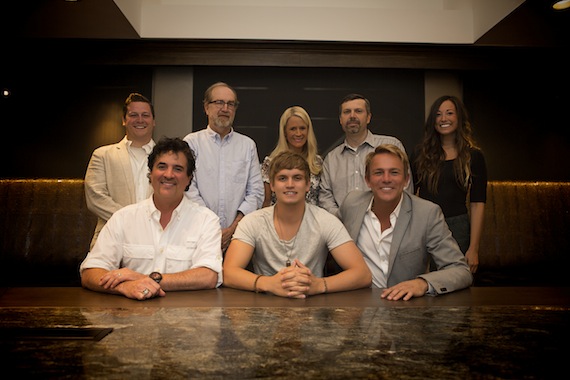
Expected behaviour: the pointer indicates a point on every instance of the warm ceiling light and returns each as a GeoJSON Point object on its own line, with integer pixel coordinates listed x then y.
{"type": "Point", "coordinates": [562, 4]}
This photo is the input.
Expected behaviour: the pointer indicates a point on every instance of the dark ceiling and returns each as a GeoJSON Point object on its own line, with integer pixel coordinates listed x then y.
{"type": "Point", "coordinates": [97, 19]}
{"type": "Point", "coordinates": [533, 24]}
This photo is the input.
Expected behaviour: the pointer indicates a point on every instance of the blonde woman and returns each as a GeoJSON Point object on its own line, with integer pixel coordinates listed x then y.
{"type": "Point", "coordinates": [296, 134]}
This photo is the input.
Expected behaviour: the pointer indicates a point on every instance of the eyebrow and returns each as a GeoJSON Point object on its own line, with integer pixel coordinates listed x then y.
{"type": "Point", "coordinates": [394, 168]}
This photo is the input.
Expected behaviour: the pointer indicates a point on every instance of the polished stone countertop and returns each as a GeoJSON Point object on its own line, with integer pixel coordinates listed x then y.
{"type": "Point", "coordinates": [395, 340]}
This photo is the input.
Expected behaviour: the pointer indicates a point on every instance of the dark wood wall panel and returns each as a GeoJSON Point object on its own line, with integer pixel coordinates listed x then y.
{"type": "Point", "coordinates": [66, 92]}
{"type": "Point", "coordinates": [522, 122]}
{"type": "Point", "coordinates": [279, 54]}
{"type": "Point", "coordinates": [396, 96]}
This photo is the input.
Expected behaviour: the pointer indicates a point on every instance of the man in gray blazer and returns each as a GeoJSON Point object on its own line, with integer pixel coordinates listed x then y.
{"type": "Point", "coordinates": [117, 174]}
{"type": "Point", "coordinates": [398, 232]}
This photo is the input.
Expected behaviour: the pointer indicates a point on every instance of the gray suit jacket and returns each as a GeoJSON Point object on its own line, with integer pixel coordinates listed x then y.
{"type": "Point", "coordinates": [109, 183]}
{"type": "Point", "coordinates": [420, 232]}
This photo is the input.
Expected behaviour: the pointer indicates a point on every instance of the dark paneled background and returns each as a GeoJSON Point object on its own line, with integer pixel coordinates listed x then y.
{"type": "Point", "coordinates": [63, 91]}
{"type": "Point", "coordinates": [396, 96]}
{"type": "Point", "coordinates": [522, 121]}
{"type": "Point", "coordinates": [53, 119]}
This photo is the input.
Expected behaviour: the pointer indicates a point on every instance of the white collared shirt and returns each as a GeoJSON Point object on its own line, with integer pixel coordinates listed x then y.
{"type": "Point", "coordinates": [139, 166]}
{"type": "Point", "coordinates": [134, 238]}
{"type": "Point", "coordinates": [375, 244]}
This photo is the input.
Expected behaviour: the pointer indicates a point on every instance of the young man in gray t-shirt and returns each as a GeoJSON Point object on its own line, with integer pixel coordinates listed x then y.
{"type": "Point", "coordinates": [288, 242]}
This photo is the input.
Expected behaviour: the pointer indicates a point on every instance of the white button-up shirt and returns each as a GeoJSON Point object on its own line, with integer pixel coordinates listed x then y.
{"type": "Point", "coordinates": [139, 166]}
{"type": "Point", "coordinates": [375, 244]}
{"type": "Point", "coordinates": [134, 238]}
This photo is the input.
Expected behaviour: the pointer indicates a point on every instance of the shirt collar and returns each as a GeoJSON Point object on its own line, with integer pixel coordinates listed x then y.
{"type": "Point", "coordinates": [149, 147]}
{"type": "Point", "coordinates": [394, 214]}
{"type": "Point", "coordinates": [155, 213]}
{"type": "Point", "coordinates": [216, 136]}
{"type": "Point", "coordinates": [146, 147]}
{"type": "Point", "coordinates": [368, 140]}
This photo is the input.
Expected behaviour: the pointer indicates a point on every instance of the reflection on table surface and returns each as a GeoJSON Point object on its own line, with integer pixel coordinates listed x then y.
{"type": "Point", "coordinates": [430, 338]}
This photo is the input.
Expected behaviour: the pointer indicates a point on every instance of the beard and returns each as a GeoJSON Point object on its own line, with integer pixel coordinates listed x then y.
{"type": "Point", "coordinates": [353, 128]}
{"type": "Point", "coordinates": [222, 122]}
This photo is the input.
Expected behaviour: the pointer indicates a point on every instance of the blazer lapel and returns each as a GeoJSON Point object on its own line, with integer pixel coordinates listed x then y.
{"type": "Point", "coordinates": [122, 156]}
{"type": "Point", "coordinates": [356, 213]}
{"type": "Point", "coordinates": [399, 231]}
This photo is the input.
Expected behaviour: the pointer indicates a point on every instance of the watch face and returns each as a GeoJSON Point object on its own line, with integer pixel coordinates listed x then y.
{"type": "Point", "coordinates": [156, 277]}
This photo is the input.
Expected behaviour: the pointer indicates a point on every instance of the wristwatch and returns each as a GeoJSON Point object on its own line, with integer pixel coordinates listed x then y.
{"type": "Point", "coordinates": [156, 276]}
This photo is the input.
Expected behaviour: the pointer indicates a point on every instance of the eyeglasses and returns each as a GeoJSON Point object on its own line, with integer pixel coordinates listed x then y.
{"type": "Point", "coordinates": [220, 104]}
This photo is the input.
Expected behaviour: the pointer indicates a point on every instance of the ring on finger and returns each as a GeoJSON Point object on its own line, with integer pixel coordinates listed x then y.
{"type": "Point", "coordinates": [145, 291]}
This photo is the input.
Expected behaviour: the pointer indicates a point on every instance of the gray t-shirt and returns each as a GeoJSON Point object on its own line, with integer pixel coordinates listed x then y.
{"type": "Point", "coordinates": [319, 233]}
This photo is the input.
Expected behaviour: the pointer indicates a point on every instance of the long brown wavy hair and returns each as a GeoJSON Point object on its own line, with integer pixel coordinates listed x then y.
{"type": "Point", "coordinates": [430, 153]}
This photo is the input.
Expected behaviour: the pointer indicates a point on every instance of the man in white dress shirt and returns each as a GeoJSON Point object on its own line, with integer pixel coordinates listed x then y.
{"type": "Point", "coordinates": [163, 243]}
{"type": "Point", "coordinates": [398, 233]}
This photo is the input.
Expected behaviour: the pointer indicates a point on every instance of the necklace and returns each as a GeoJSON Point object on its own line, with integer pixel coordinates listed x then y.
{"type": "Point", "coordinates": [288, 249]}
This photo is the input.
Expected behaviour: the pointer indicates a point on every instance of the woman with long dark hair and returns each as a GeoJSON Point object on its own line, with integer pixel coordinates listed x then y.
{"type": "Point", "coordinates": [449, 169]}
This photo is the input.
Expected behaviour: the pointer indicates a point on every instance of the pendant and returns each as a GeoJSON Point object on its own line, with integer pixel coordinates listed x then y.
{"type": "Point", "coordinates": [288, 263]}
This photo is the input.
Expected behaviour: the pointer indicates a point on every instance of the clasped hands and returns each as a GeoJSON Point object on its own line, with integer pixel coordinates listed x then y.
{"type": "Point", "coordinates": [295, 281]}
{"type": "Point", "coordinates": [131, 284]}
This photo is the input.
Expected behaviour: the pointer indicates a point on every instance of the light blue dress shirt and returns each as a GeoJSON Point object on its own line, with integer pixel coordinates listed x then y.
{"type": "Point", "coordinates": [228, 176]}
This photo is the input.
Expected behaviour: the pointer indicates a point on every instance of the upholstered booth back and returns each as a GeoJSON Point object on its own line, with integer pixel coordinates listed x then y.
{"type": "Point", "coordinates": [46, 228]}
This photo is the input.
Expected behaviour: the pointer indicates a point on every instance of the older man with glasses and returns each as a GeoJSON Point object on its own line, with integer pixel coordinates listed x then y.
{"type": "Point", "coordinates": [228, 177]}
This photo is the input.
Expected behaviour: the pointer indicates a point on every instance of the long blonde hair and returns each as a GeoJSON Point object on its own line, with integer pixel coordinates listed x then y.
{"type": "Point", "coordinates": [310, 149]}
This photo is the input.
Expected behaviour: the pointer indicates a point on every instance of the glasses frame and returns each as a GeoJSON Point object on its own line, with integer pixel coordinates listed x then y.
{"type": "Point", "coordinates": [232, 105]}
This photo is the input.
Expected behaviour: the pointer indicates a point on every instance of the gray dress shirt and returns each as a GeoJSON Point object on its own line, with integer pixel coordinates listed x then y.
{"type": "Point", "coordinates": [343, 170]}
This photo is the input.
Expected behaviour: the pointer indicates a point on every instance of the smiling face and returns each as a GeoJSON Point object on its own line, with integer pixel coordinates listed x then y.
{"type": "Point", "coordinates": [296, 133]}
{"type": "Point", "coordinates": [290, 186]}
{"type": "Point", "coordinates": [169, 176]}
{"type": "Point", "coordinates": [139, 123]}
{"type": "Point", "coordinates": [446, 118]}
{"type": "Point", "coordinates": [386, 178]}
